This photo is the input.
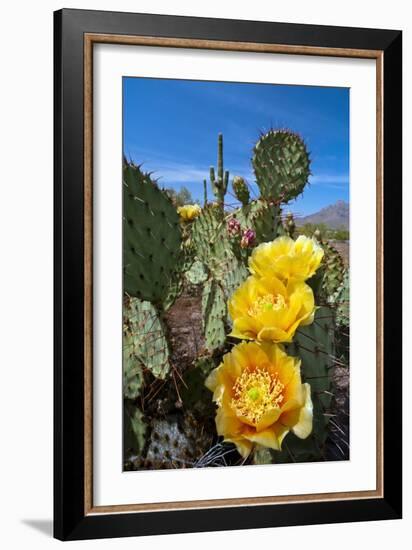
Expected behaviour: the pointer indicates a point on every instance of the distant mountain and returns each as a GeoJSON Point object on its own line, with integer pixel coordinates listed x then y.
{"type": "Point", "coordinates": [334, 216]}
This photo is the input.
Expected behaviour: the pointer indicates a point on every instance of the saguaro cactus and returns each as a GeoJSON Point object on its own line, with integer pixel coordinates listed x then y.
{"type": "Point", "coordinates": [219, 183]}
{"type": "Point", "coordinates": [204, 192]}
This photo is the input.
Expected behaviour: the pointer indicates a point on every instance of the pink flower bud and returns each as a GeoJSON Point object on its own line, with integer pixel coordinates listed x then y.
{"type": "Point", "coordinates": [233, 227]}
{"type": "Point", "coordinates": [248, 238]}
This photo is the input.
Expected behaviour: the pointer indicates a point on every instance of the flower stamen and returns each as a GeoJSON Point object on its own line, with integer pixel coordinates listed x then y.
{"type": "Point", "coordinates": [255, 393]}
{"type": "Point", "coordinates": [266, 303]}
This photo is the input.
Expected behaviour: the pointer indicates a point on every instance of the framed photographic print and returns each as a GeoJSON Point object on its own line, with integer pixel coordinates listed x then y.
{"type": "Point", "coordinates": [227, 274]}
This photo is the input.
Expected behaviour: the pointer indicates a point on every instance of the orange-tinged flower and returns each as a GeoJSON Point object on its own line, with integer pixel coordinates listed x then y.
{"type": "Point", "coordinates": [189, 212]}
{"type": "Point", "coordinates": [287, 259]}
{"type": "Point", "coordinates": [266, 309]}
{"type": "Point", "coordinates": [260, 397]}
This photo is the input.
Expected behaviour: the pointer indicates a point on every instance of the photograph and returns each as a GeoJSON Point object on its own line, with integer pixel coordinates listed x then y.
{"type": "Point", "coordinates": [227, 274]}
{"type": "Point", "coordinates": [236, 274]}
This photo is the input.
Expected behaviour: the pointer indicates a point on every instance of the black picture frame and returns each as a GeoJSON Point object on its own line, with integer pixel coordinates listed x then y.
{"type": "Point", "coordinates": [70, 520]}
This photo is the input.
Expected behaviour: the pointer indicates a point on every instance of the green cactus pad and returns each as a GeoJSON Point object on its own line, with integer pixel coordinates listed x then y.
{"type": "Point", "coordinates": [194, 394]}
{"type": "Point", "coordinates": [289, 225]}
{"type": "Point", "coordinates": [152, 237]}
{"type": "Point", "coordinates": [197, 274]}
{"type": "Point", "coordinates": [263, 455]}
{"type": "Point", "coordinates": [333, 272]}
{"type": "Point", "coordinates": [176, 442]}
{"type": "Point", "coordinates": [134, 430]}
{"type": "Point", "coordinates": [265, 221]}
{"type": "Point", "coordinates": [144, 343]}
{"type": "Point", "coordinates": [214, 315]}
{"type": "Point", "coordinates": [342, 302]}
{"type": "Point", "coordinates": [281, 164]}
{"type": "Point", "coordinates": [234, 275]}
{"type": "Point", "coordinates": [132, 368]}
{"type": "Point", "coordinates": [245, 214]}
{"type": "Point", "coordinates": [241, 190]}
{"type": "Point", "coordinates": [262, 217]}
{"type": "Point", "coordinates": [315, 346]}
{"type": "Point", "coordinates": [211, 241]}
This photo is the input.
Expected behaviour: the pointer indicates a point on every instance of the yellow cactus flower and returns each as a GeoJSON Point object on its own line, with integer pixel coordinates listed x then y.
{"type": "Point", "coordinates": [287, 259]}
{"type": "Point", "coordinates": [189, 212]}
{"type": "Point", "coordinates": [260, 397]}
{"type": "Point", "coordinates": [266, 309]}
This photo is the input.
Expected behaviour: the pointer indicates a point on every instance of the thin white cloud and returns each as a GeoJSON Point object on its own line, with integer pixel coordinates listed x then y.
{"type": "Point", "coordinates": [333, 181]}
{"type": "Point", "coordinates": [169, 172]}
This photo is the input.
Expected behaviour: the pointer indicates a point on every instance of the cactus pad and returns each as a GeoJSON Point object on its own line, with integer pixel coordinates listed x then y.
{"type": "Point", "coordinates": [144, 343]}
{"type": "Point", "coordinates": [281, 164]}
{"type": "Point", "coordinates": [214, 315]}
{"type": "Point", "coordinates": [197, 274]}
{"type": "Point", "coordinates": [342, 301]}
{"type": "Point", "coordinates": [152, 237]}
{"type": "Point", "coordinates": [333, 272]}
{"type": "Point", "coordinates": [134, 430]}
{"type": "Point", "coordinates": [176, 442]}
{"type": "Point", "coordinates": [211, 241]}
{"type": "Point", "coordinates": [194, 394]}
{"type": "Point", "coordinates": [315, 345]}
{"type": "Point", "coordinates": [241, 190]}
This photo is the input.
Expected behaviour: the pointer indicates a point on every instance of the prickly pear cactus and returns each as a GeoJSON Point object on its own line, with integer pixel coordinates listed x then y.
{"type": "Point", "coordinates": [177, 442]}
{"type": "Point", "coordinates": [315, 345]}
{"type": "Point", "coordinates": [289, 225]}
{"type": "Point", "coordinates": [152, 237]}
{"type": "Point", "coordinates": [132, 368]}
{"type": "Point", "coordinates": [260, 216]}
{"type": "Point", "coordinates": [135, 430]}
{"type": "Point", "coordinates": [210, 239]}
{"type": "Point", "coordinates": [195, 396]}
{"type": "Point", "coordinates": [333, 272]}
{"type": "Point", "coordinates": [265, 221]}
{"type": "Point", "coordinates": [214, 312]}
{"type": "Point", "coordinates": [144, 344]}
{"type": "Point", "coordinates": [241, 190]}
{"type": "Point", "coordinates": [281, 164]}
{"type": "Point", "coordinates": [169, 413]}
{"type": "Point", "coordinates": [234, 275]}
{"type": "Point", "coordinates": [245, 214]}
{"type": "Point", "coordinates": [197, 274]}
{"type": "Point", "coordinates": [342, 301]}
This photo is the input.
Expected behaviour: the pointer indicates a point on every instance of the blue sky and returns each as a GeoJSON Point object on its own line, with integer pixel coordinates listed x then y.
{"type": "Point", "coordinates": [171, 126]}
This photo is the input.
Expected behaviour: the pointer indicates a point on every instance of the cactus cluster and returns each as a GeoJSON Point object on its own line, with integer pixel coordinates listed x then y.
{"type": "Point", "coordinates": [168, 412]}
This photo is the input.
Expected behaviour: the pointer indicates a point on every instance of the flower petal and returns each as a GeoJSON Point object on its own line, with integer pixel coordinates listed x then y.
{"type": "Point", "coordinates": [266, 438]}
{"type": "Point", "coordinates": [303, 427]}
{"type": "Point", "coordinates": [243, 446]}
